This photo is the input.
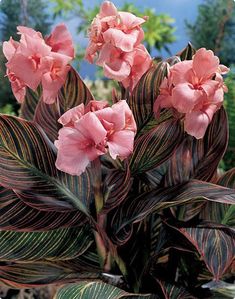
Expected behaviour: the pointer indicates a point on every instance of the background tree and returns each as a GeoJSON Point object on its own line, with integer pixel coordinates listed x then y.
{"type": "Point", "coordinates": [33, 13]}
{"type": "Point", "coordinates": [214, 28]}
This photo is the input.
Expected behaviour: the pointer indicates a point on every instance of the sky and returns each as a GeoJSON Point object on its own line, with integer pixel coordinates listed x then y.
{"type": "Point", "coordinates": [180, 10]}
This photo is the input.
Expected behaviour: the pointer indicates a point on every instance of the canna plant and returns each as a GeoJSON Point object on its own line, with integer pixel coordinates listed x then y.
{"type": "Point", "coordinates": [118, 198]}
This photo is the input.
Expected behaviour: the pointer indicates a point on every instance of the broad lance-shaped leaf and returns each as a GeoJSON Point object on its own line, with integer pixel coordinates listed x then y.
{"type": "Point", "coordinates": [187, 53]}
{"type": "Point", "coordinates": [227, 179]}
{"type": "Point", "coordinates": [198, 159]}
{"type": "Point", "coordinates": [224, 214]}
{"type": "Point", "coordinates": [17, 216]}
{"type": "Point", "coordinates": [35, 274]}
{"type": "Point", "coordinates": [156, 146]}
{"type": "Point", "coordinates": [116, 187]}
{"type": "Point", "coordinates": [145, 93]}
{"type": "Point", "coordinates": [215, 246]}
{"type": "Point", "coordinates": [27, 165]}
{"type": "Point", "coordinates": [54, 245]}
{"type": "Point", "coordinates": [73, 93]}
{"type": "Point", "coordinates": [29, 105]}
{"type": "Point", "coordinates": [136, 209]}
{"type": "Point", "coordinates": [173, 292]}
{"type": "Point", "coordinates": [98, 290]}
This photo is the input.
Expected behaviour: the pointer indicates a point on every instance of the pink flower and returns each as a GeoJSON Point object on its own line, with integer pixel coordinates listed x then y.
{"type": "Point", "coordinates": [120, 29]}
{"type": "Point", "coordinates": [18, 87]}
{"type": "Point", "coordinates": [126, 67]}
{"type": "Point", "coordinates": [115, 39]}
{"type": "Point", "coordinates": [55, 69]}
{"type": "Point", "coordinates": [120, 125]}
{"type": "Point", "coordinates": [31, 61]}
{"type": "Point", "coordinates": [194, 88]}
{"type": "Point", "coordinates": [60, 41]}
{"type": "Point", "coordinates": [79, 145]}
{"type": "Point", "coordinates": [91, 131]}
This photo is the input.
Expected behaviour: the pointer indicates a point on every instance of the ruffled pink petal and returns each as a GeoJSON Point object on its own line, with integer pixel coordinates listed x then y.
{"type": "Point", "coordinates": [24, 69]}
{"type": "Point", "coordinates": [185, 97]}
{"type": "Point", "coordinates": [96, 105]}
{"type": "Point", "coordinates": [141, 64]}
{"type": "Point", "coordinates": [181, 72]}
{"type": "Point", "coordinates": [60, 40]}
{"type": "Point", "coordinates": [107, 9]}
{"type": "Point", "coordinates": [196, 123]}
{"type": "Point", "coordinates": [120, 39]}
{"type": "Point", "coordinates": [81, 144]}
{"type": "Point", "coordinates": [71, 158]}
{"type": "Point", "coordinates": [223, 70]}
{"type": "Point", "coordinates": [121, 144]}
{"type": "Point", "coordinates": [210, 110]}
{"type": "Point", "coordinates": [205, 63]}
{"type": "Point", "coordinates": [130, 21]}
{"type": "Point", "coordinates": [55, 70]}
{"type": "Point", "coordinates": [19, 90]}
{"type": "Point", "coordinates": [117, 70]}
{"type": "Point", "coordinates": [210, 87]}
{"type": "Point", "coordinates": [123, 117]}
{"type": "Point", "coordinates": [91, 127]}
{"type": "Point", "coordinates": [22, 30]}
{"type": "Point", "coordinates": [9, 48]}
{"type": "Point", "coordinates": [71, 116]}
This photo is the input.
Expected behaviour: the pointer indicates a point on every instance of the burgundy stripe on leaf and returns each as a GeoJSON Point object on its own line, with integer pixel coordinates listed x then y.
{"type": "Point", "coordinates": [215, 246]}
{"type": "Point", "coordinates": [156, 146]}
{"type": "Point", "coordinates": [27, 165]}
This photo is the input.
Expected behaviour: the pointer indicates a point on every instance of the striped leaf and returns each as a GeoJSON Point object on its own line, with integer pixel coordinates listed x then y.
{"type": "Point", "coordinates": [17, 216]}
{"type": "Point", "coordinates": [222, 289]}
{"type": "Point", "coordinates": [73, 93]}
{"type": "Point", "coordinates": [224, 214]}
{"type": "Point", "coordinates": [35, 274]}
{"type": "Point", "coordinates": [215, 246]}
{"type": "Point", "coordinates": [27, 165]}
{"type": "Point", "coordinates": [156, 146]}
{"type": "Point", "coordinates": [199, 159]}
{"type": "Point", "coordinates": [187, 53]}
{"type": "Point", "coordinates": [173, 292]}
{"type": "Point", "coordinates": [228, 179]}
{"type": "Point", "coordinates": [145, 93]}
{"type": "Point", "coordinates": [30, 103]}
{"type": "Point", "coordinates": [96, 290]}
{"type": "Point", "coordinates": [55, 245]}
{"type": "Point", "coordinates": [117, 184]}
{"type": "Point", "coordinates": [136, 209]}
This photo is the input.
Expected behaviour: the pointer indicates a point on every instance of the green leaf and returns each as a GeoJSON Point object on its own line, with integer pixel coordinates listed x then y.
{"type": "Point", "coordinates": [55, 245]}
{"type": "Point", "coordinates": [17, 216]}
{"type": "Point", "coordinates": [27, 165]}
{"type": "Point", "coordinates": [29, 105]}
{"type": "Point", "coordinates": [98, 290]}
{"type": "Point", "coordinates": [145, 93]}
{"type": "Point", "coordinates": [156, 146]}
{"type": "Point", "coordinates": [215, 246]}
{"type": "Point", "coordinates": [136, 209]}
{"type": "Point", "coordinates": [73, 93]}
{"type": "Point", "coordinates": [221, 288]}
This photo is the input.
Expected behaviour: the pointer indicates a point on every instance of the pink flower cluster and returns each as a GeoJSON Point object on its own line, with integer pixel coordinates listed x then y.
{"type": "Point", "coordinates": [33, 60]}
{"type": "Point", "coordinates": [194, 88]}
{"type": "Point", "coordinates": [116, 38]}
{"type": "Point", "coordinates": [89, 131]}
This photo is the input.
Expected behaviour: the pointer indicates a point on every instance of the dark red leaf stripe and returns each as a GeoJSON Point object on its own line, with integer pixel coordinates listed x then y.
{"type": "Point", "coordinates": [27, 165]}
